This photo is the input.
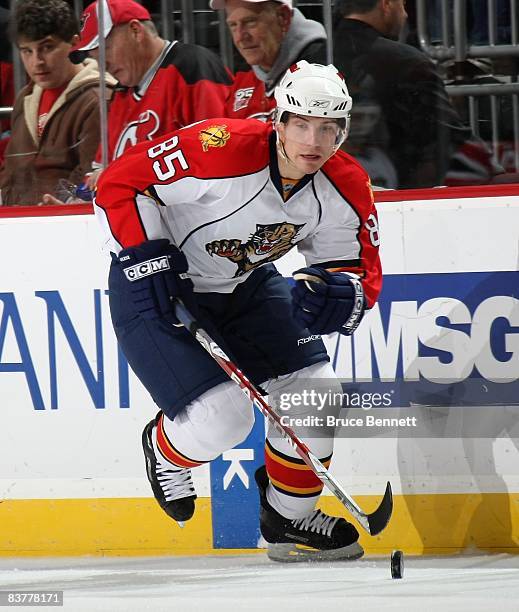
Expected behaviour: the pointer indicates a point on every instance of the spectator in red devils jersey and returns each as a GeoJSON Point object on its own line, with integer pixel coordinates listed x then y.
{"type": "Point", "coordinates": [164, 85]}
{"type": "Point", "coordinates": [270, 36]}
{"type": "Point", "coordinates": [201, 214]}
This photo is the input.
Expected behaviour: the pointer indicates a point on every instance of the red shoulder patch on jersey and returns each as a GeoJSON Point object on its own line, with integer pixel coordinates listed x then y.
{"type": "Point", "coordinates": [227, 147]}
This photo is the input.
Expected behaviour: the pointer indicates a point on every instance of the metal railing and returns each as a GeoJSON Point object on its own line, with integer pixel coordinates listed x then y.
{"type": "Point", "coordinates": [474, 94]}
{"type": "Point", "coordinates": [453, 43]}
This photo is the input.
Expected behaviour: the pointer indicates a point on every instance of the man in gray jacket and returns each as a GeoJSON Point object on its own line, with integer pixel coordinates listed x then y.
{"type": "Point", "coordinates": [270, 36]}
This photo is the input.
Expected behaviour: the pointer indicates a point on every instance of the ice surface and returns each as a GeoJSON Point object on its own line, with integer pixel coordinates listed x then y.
{"type": "Point", "coordinates": [233, 583]}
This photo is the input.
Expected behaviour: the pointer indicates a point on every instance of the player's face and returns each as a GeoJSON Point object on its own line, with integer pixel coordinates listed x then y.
{"type": "Point", "coordinates": [124, 57]}
{"type": "Point", "coordinates": [46, 60]}
{"type": "Point", "coordinates": [308, 143]}
{"type": "Point", "coordinates": [258, 29]}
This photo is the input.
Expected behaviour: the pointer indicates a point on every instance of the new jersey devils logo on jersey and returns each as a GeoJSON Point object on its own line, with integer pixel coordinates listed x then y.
{"type": "Point", "coordinates": [267, 243]}
{"type": "Point", "coordinates": [83, 22]}
{"type": "Point", "coordinates": [144, 128]}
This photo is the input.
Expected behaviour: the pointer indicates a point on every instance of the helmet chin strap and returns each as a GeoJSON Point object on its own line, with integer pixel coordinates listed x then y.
{"type": "Point", "coordinates": [282, 152]}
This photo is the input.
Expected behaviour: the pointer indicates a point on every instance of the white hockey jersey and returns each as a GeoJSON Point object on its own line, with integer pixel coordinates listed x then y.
{"type": "Point", "coordinates": [214, 189]}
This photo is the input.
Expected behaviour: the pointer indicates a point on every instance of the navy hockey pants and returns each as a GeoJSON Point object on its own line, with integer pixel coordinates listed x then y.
{"type": "Point", "coordinates": [253, 325]}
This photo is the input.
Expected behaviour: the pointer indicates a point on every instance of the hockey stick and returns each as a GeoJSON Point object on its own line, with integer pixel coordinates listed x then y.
{"type": "Point", "coordinates": [373, 523]}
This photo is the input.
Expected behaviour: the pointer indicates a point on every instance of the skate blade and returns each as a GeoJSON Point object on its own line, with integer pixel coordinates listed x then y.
{"type": "Point", "coordinates": [297, 553]}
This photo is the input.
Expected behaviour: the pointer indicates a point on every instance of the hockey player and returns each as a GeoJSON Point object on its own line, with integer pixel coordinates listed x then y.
{"type": "Point", "coordinates": [200, 215]}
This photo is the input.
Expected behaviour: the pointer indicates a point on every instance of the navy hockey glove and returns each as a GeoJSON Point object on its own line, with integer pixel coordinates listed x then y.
{"type": "Point", "coordinates": [333, 301]}
{"type": "Point", "coordinates": [156, 272]}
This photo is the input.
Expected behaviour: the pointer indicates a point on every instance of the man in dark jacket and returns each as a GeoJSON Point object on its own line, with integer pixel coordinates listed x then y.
{"type": "Point", "coordinates": [419, 130]}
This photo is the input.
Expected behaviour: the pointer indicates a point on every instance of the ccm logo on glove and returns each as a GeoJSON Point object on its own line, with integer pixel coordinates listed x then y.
{"type": "Point", "coordinates": [145, 269]}
{"type": "Point", "coordinates": [157, 275]}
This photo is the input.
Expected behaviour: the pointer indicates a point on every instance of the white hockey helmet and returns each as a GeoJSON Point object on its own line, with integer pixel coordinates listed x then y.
{"type": "Point", "coordinates": [314, 90]}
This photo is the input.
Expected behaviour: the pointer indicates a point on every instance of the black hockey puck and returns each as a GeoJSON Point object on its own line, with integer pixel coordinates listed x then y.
{"type": "Point", "coordinates": [397, 564]}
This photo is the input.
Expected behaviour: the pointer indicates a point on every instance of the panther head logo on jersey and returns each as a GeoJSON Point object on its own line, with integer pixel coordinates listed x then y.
{"type": "Point", "coordinates": [268, 243]}
{"type": "Point", "coordinates": [144, 128]}
{"type": "Point", "coordinates": [275, 237]}
{"type": "Point", "coordinates": [214, 136]}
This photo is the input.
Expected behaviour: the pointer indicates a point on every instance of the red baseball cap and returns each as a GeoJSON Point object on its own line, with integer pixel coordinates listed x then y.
{"type": "Point", "coordinates": [115, 13]}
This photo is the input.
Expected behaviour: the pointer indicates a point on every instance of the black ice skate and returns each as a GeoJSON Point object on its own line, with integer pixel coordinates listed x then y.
{"type": "Point", "coordinates": [317, 537]}
{"type": "Point", "coordinates": [172, 487]}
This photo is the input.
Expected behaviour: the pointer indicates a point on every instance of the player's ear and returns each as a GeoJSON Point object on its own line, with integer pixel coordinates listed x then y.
{"type": "Point", "coordinates": [280, 129]}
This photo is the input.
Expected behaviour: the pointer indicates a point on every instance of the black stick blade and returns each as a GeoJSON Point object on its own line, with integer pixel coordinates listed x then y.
{"type": "Point", "coordinates": [380, 518]}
